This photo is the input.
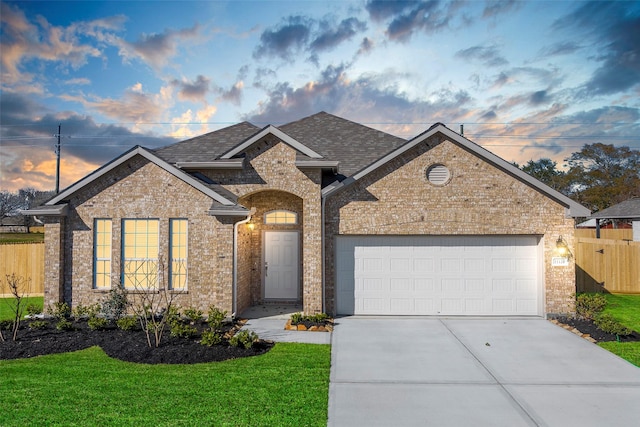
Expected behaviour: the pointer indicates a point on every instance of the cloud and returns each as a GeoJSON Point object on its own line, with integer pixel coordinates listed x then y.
{"type": "Point", "coordinates": [368, 99]}
{"type": "Point", "coordinates": [298, 33]}
{"type": "Point", "coordinates": [193, 90]}
{"type": "Point", "coordinates": [488, 55]}
{"type": "Point", "coordinates": [559, 48]}
{"type": "Point", "coordinates": [284, 40]}
{"type": "Point", "coordinates": [22, 40]}
{"type": "Point", "coordinates": [331, 36]}
{"type": "Point", "coordinates": [28, 134]}
{"type": "Point", "coordinates": [156, 49]}
{"type": "Point", "coordinates": [407, 17]}
{"type": "Point", "coordinates": [134, 106]}
{"type": "Point", "coordinates": [494, 8]}
{"type": "Point", "coordinates": [614, 30]}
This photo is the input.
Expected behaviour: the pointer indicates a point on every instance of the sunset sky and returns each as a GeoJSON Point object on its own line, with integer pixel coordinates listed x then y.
{"type": "Point", "coordinates": [528, 79]}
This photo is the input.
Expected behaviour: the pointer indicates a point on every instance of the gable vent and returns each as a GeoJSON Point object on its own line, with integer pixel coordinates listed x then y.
{"type": "Point", "coordinates": [438, 174]}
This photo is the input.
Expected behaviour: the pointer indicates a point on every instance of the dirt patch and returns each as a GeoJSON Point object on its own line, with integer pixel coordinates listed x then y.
{"type": "Point", "coordinates": [130, 346]}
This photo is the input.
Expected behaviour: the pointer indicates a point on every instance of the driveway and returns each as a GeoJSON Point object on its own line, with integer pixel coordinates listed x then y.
{"type": "Point", "coordinates": [475, 372]}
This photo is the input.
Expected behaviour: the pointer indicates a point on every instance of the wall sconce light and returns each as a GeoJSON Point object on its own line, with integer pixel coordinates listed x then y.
{"type": "Point", "coordinates": [562, 248]}
{"type": "Point", "coordinates": [251, 225]}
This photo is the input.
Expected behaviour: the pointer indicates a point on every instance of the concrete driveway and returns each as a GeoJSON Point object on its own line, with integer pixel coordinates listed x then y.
{"type": "Point", "coordinates": [475, 372]}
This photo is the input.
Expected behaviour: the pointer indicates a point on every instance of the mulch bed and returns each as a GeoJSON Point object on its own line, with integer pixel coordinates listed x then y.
{"type": "Point", "coordinates": [130, 346]}
{"type": "Point", "coordinates": [588, 329]}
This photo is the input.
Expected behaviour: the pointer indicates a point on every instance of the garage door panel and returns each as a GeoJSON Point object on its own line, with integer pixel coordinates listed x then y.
{"type": "Point", "coordinates": [408, 275]}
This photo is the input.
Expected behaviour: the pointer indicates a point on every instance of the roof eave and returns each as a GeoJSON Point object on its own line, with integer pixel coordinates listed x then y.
{"type": "Point", "coordinates": [216, 164]}
{"type": "Point", "coordinates": [47, 210]}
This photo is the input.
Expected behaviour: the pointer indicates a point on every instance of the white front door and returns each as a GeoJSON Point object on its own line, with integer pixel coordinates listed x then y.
{"type": "Point", "coordinates": [281, 265]}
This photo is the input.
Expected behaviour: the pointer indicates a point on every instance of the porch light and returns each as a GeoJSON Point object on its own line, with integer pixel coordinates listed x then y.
{"type": "Point", "coordinates": [562, 247]}
{"type": "Point", "coordinates": [251, 225]}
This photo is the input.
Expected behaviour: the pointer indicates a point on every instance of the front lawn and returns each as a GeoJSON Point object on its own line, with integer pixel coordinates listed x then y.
{"type": "Point", "coordinates": [287, 386]}
{"type": "Point", "coordinates": [625, 309]}
{"type": "Point", "coordinates": [6, 304]}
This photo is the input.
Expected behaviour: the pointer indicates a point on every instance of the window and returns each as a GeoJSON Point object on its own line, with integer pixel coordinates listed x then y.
{"type": "Point", "coordinates": [140, 253]}
{"type": "Point", "coordinates": [102, 253]}
{"type": "Point", "coordinates": [178, 250]}
{"type": "Point", "coordinates": [281, 217]}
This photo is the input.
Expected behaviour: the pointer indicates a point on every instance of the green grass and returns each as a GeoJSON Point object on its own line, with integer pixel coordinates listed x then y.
{"type": "Point", "coordinates": [6, 305]}
{"type": "Point", "coordinates": [629, 351]}
{"type": "Point", "coordinates": [626, 310]}
{"type": "Point", "coordinates": [288, 386]}
{"type": "Point", "coordinates": [21, 238]}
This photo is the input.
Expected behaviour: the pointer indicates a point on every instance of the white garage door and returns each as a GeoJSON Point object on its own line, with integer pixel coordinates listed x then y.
{"type": "Point", "coordinates": [438, 275]}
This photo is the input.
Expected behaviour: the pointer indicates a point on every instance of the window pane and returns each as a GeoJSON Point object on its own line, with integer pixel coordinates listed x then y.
{"type": "Point", "coordinates": [178, 251]}
{"type": "Point", "coordinates": [102, 253]}
{"type": "Point", "coordinates": [140, 253]}
{"type": "Point", "coordinates": [281, 217]}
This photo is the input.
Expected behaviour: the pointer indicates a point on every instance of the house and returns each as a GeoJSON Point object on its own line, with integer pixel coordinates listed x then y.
{"type": "Point", "coordinates": [622, 214]}
{"type": "Point", "coordinates": [322, 212]}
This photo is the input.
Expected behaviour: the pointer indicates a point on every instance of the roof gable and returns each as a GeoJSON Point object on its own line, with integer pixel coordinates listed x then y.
{"type": "Point", "coordinates": [271, 130]}
{"type": "Point", "coordinates": [573, 208]}
{"type": "Point", "coordinates": [139, 151]}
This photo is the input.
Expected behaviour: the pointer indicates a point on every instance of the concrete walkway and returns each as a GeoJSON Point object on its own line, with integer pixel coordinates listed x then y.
{"type": "Point", "coordinates": [475, 372]}
{"type": "Point", "coordinates": [268, 322]}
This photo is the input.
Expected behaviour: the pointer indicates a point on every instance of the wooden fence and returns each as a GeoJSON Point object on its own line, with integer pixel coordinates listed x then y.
{"type": "Point", "coordinates": [26, 260]}
{"type": "Point", "coordinates": [611, 263]}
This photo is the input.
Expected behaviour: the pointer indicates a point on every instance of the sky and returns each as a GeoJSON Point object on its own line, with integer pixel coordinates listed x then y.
{"type": "Point", "coordinates": [526, 79]}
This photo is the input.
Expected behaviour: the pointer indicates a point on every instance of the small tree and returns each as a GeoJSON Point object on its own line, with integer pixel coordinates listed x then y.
{"type": "Point", "coordinates": [16, 286]}
{"type": "Point", "coordinates": [151, 300]}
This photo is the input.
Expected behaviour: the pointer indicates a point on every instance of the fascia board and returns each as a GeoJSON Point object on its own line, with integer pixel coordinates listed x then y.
{"type": "Point", "coordinates": [229, 212]}
{"type": "Point", "coordinates": [321, 164]}
{"type": "Point", "coordinates": [278, 134]}
{"type": "Point", "coordinates": [216, 164]}
{"type": "Point", "coordinates": [54, 210]}
{"type": "Point", "coordinates": [152, 158]}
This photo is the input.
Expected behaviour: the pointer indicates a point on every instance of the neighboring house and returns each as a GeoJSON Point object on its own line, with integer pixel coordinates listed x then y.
{"type": "Point", "coordinates": [13, 224]}
{"type": "Point", "coordinates": [622, 214]}
{"type": "Point", "coordinates": [323, 212]}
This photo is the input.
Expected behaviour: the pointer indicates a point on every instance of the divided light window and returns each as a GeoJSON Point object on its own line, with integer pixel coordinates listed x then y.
{"type": "Point", "coordinates": [178, 248]}
{"type": "Point", "coordinates": [140, 254]}
{"type": "Point", "coordinates": [281, 217]}
{"type": "Point", "coordinates": [102, 253]}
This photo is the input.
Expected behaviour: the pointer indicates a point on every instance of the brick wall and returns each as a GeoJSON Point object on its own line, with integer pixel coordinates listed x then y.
{"type": "Point", "coordinates": [479, 199]}
{"type": "Point", "coordinates": [139, 189]}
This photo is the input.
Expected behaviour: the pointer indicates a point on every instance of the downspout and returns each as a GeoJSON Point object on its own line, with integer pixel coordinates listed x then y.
{"type": "Point", "coordinates": [234, 286]}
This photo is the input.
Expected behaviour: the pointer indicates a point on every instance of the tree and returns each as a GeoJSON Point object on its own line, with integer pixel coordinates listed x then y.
{"type": "Point", "coordinates": [602, 175]}
{"type": "Point", "coordinates": [9, 203]}
{"type": "Point", "coordinates": [546, 171]}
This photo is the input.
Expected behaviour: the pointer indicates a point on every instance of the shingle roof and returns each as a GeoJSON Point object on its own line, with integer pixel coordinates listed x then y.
{"type": "Point", "coordinates": [626, 210]}
{"type": "Point", "coordinates": [207, 147]}
{"type": "Point", "coordinates": [335, 138]}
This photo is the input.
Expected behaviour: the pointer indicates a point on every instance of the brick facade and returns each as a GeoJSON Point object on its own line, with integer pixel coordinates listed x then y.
{"type": "Point", "coordinates": [395, 199]}
{"type": "Point", "coordinates": [479, 199]}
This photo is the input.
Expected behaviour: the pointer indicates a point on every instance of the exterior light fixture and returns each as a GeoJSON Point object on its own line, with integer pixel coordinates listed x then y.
{"type": "Point", "coordinates": [251, 225]}
{"type": "Point", "coordinates": [562, 247]}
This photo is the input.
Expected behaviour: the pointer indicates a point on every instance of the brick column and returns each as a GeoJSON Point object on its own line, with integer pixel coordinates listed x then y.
{"type": "Point", "coordinates": [53, 260]}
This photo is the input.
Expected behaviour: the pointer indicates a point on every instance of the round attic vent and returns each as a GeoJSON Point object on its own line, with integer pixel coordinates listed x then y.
{"type": "Point", "coordinates": [438, 174]}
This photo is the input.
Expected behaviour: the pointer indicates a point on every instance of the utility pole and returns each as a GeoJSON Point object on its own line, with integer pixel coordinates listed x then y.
{"type": "Point", "coordinates": [58, 160]}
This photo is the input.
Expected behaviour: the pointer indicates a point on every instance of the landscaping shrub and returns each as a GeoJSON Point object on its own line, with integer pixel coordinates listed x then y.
{"type": "Point", "coordinates": [64, 325]}
{"type": "Point", "coordinates": [33, 309]}
{"type": "Point", "coordinates": [243, 338]}
{"type": "Point", "coordinates": [606, 323]}
{"type": "Point", "coordinates": [128, 323]}
{"type": "Point", "coordinates": [38, 324]}
{"type": "Point", "coordinates": [216, 317]}
{"type": "Point", "coordinates": [181, 330]}
{"type": "Point", "coordinates": [193, 314]}
{"type": "Point", "coordinates": [589, 305]}
{"type": "Point", "coordinates": [96, 323]}
{"type": "Point", "coordinates": [211, 337]}
{"type": "Point", "coordinates": [115, 306]}
{"type": "Point", "coordinates": [297, 318]}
